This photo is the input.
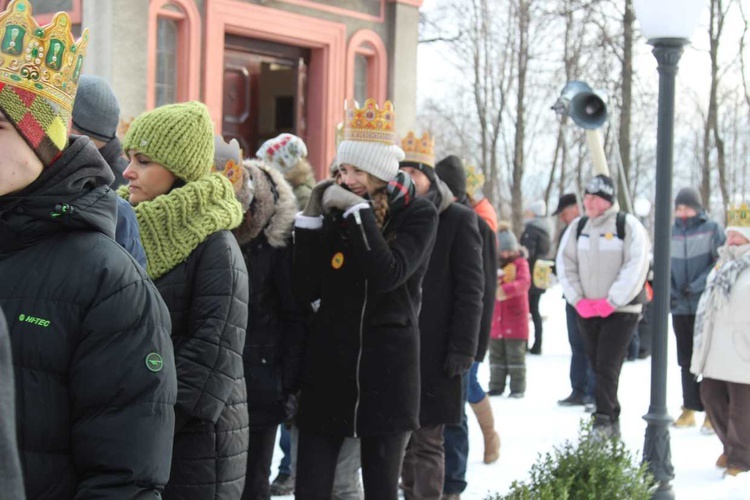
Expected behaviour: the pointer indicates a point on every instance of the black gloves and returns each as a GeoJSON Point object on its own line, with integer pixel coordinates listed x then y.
{"type": "Point", "coordinates": [457, 364]}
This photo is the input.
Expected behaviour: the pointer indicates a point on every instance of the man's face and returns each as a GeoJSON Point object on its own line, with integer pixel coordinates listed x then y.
{"type": "Point", "coordinates": [421, 181]}
{"type": "Point", "coordinates": [595, 205]}
{"type": "Point", "coordinates": [568, 214]}
{"type": "Point", "coordinates": [684, 212]}
{"type": "Point", "coordinates": [19, 165]}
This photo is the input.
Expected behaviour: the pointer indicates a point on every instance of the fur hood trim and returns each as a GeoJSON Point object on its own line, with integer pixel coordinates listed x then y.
{"type": "Point", "coordinates": [301, 174]}
{"type": "Point", "coordinates": [274, 217]}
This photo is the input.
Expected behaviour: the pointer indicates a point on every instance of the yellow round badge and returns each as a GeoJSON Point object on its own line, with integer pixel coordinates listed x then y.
{"type": "Point", "coordinates": [609, 236]}
{"type": "Point", "coordinates": [337, 261]}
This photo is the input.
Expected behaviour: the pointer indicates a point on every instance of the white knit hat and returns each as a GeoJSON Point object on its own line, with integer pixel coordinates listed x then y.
{"type": "Point", "coordinates": [376, 158]}
{"type": "Point", "coordinates": [538, 208]}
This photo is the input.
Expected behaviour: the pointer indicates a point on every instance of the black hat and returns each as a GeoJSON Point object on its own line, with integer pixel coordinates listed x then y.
{"type": "Point", "coordinates": [566, 200]}
{"type": "Point", "coordinates": [601, 186]}
{"type": "Point", "coordinates": [451, 171]}
{"type": "Point", "coordinates": [690, 197]}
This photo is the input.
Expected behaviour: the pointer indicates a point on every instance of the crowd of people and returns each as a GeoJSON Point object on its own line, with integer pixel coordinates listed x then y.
{"type": "Point", "coordinates": [170, 303]}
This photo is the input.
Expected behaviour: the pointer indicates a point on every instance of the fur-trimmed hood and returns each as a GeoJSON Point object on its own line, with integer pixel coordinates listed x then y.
{"type": "Point", "coordinates": [271, 213]}
{"type": "Point", "coordinates": [301, 174]}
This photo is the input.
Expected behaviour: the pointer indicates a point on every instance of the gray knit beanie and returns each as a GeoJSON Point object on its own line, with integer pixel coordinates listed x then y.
{"type": "Point", "coordinates": [96, 111]}
{"type": "Point", "coordinates": [690, 197]}
{"type": "Point", "coordinates": [506, 241]}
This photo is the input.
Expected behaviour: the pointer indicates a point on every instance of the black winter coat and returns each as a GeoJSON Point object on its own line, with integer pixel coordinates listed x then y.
{"type": "Point", "coordinates": [361, 372]}
{"type": "Point", "coordinates": [489, 266]}
{"type": "Point", "coordinates": [207, 297]}
{"type": "Point", "coordinates": [274, 346]}
{"type": "Point", "coordinates": [451, 311]}
{"type": "Point", "coordinates": [538, 242]}
{"type": "Point", "coordinates": [94, 368]}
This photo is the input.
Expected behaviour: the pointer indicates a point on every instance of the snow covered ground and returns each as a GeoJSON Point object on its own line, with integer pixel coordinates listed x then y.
{"type": "Point", "coordinates": [533, 425]}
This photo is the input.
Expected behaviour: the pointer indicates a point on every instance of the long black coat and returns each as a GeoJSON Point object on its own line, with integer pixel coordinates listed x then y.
{"type": "Point", "coordinates": [274, 346]}
{"type": "Point", "coordinates": [538, 242]}
{"type": "Point", "coordinates": [361, 372]}
{"type": "Point", "coordinates": [451, 311]}
{"type": "Point", "coordinates": [207, 297]}
{"type": "Point", "coordinates": [489, 267]}
{"type": "Point", "coordinates": [94, 404]}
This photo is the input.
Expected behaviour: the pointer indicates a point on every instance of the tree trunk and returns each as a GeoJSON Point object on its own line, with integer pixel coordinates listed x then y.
{"type": "Point", "coordinates": [518, 148]}
{"type": "Point", "coordinates": [626, 93]}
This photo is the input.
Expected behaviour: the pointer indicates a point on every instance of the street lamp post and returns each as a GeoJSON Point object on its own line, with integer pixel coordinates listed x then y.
{"type": "Point", "coordinates": [668, 26]}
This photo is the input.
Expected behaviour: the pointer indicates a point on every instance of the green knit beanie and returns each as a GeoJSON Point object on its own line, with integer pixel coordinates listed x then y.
{"type": "Point", "coordinates": [180, 137]}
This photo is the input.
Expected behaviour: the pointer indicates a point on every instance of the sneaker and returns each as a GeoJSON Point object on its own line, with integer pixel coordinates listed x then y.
{"type": "Point", "coordinates": [283, 485]}
{"type": "Point", "coordinates": [495, 392]}
{"type": "Point", "coordinates": [515, 395]}
{"type": "Point", "coordinates": [721, 462]}
{"type": "Point", "coordinates": [575, 399]}
{"type": "Point", "coordinates": [707, 427]}
{"type": "Point", "coordinates": [686, 419]}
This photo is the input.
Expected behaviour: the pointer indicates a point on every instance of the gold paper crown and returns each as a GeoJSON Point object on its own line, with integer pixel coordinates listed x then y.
{"type": "Point", "coordinates": [45, 60]}
{"type": "Point", "coordinates": [419, 150]}
{"type": "Point", "coordinates": [474, 180]}
{"type": "Point", "coordinates": [738, 216]}
{"type": "Point", "coordinates": [369, 123]}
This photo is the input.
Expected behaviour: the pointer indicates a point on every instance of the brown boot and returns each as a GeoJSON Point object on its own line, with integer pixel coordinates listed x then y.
{"type": "Point", "coordinates": [486, 420]}
{"type": "Point", "coordinates": [721, 462]}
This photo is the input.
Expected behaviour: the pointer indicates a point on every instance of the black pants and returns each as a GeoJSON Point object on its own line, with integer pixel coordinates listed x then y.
{"type": "Point", "coordinates": [607, 342]}
{"type": "Point", "coordinates": [536, 317]}
{"type": "Point", "coordinates": [259, 457]}
{"type": "Point", "coordinates": [683, 329]}
{"type": "Point", "coordinates": [317, 455]}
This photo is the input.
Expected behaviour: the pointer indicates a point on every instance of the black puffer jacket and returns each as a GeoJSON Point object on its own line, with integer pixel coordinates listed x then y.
{"type": "Point", "coordinates": [207, 298]}
{"type": "Point", "coordinates": [94, 368]}
{"type": "Point", "coordinates": [361, 372]}
{"type": "Point", "coordinates": [452, 308]}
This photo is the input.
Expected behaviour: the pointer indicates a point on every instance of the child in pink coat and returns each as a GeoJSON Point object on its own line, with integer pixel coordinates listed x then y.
{"type": "Point", "coordinates": [510, 323]}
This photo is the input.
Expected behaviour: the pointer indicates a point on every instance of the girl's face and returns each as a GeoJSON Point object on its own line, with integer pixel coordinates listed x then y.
{"type": "Point", "coordinates": [736, 239]}
{"type": "Point", "coordinates": [146, 179]}
{"type": "Point", "coordinates": [355, 179]}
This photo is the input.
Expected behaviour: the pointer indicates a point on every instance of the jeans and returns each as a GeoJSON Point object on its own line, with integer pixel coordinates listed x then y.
{"type": "Point", "coordinates": [683, 329]}
{"type": "Point", "coordinates": [285, 443]}
{"type": "Point", "coordinates": [607, 342]}
{"type": "Point", "coordinates": [456, 439]}
{"type": "Point", "coordinates": [635, 344]}
{"type": "Point", "coordinates": [346, 484]}
{"type": "Point", "coordinates": [582, 379]}
{"type": "Point", "coordinates": [476, 393]}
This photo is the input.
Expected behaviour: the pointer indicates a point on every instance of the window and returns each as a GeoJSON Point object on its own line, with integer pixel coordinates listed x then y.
{"type": "Point", "coordinates": [367, 67]}
{"type": "Point", "coordinates": [174, 52]}
{"type": "Point", "coordinates": [360, 78]}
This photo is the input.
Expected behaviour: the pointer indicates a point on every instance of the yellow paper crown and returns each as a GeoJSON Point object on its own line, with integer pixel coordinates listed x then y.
{"type": "Point", "coordinates": [738, 216]}
{"type": "Point", "coordinates": [474, 181]}
{"type": "Point", "coordinates": [45, 60]}
{"type": "Point", "coordinates": [419, 150]}
{"type": "Point", "coordinates": [369, 123]}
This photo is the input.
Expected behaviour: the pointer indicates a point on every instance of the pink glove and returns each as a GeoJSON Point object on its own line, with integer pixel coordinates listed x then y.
{"type": "Point", "coordinates": [586, 308]}
{"type": "Point", "coordinates": [603, 308]}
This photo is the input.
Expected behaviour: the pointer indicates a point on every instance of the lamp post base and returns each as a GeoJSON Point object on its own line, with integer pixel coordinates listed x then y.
{"type": "Point", "coordinates": [657, 452]}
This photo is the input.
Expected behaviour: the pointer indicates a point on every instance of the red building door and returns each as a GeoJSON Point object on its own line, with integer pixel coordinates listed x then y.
{"type": "Point", "coordinates": [264, 92]}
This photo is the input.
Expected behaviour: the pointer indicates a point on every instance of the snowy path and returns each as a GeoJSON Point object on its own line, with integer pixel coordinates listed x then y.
{"type": "Point", "coordinates": [535, 424]}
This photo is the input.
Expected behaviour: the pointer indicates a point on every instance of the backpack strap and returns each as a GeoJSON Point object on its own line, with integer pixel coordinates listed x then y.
{"type": "Point", "coordinates": [581, 223]}
{"type": "Point", "coordinates": [620, 225]}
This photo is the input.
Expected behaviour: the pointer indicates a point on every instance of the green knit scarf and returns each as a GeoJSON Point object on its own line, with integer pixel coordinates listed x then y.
{"type": "Point", "coordinates": [174, 224]}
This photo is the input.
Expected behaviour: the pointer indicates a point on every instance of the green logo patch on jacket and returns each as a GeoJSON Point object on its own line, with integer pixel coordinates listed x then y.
{"type": "Point", "coordinates": [23, 318]}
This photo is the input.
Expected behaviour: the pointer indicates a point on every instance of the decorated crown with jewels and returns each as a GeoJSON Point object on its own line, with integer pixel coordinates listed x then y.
{"type": "Point", "coordinates": [738, 216]}
{"type": "Point", "coordinates": [45, 60]}
{"type": "Point", "coordinates": [419, 150]}
{"type": "Point", "coordinates": [369, 123]}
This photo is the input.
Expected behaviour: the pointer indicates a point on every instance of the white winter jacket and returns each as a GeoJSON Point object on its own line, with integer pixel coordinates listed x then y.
{"type": "Point", "coordinates": [721, 351]}
{"type": "Point", "coordinates": [600, 265]}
